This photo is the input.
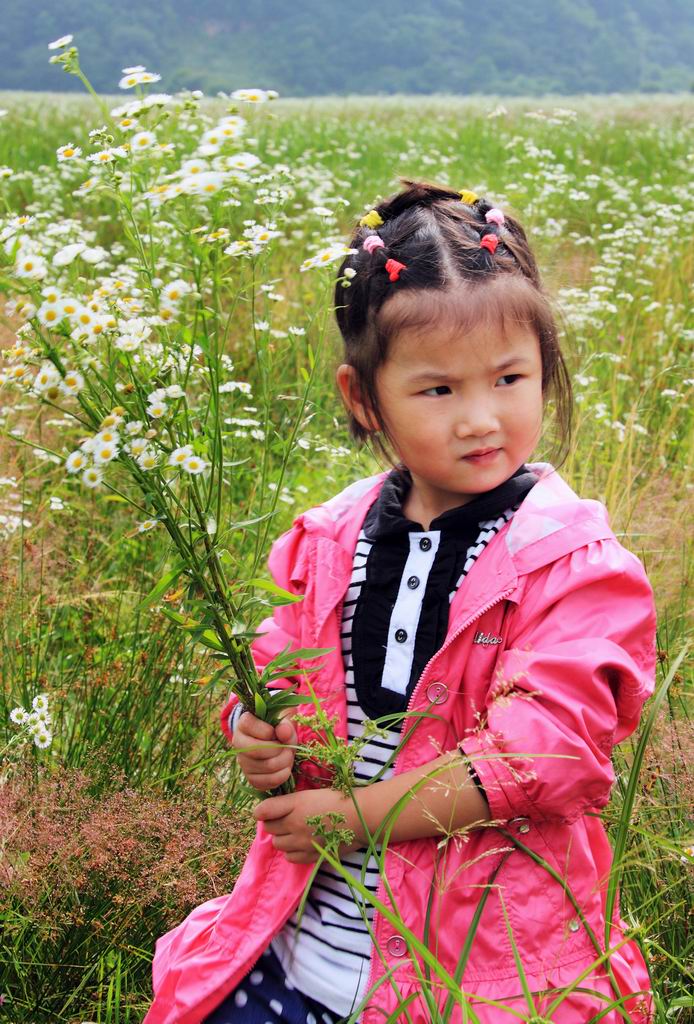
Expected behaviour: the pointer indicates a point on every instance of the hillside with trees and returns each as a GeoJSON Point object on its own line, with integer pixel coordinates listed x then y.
{"type": "Point", "coordinates": [313, 48]}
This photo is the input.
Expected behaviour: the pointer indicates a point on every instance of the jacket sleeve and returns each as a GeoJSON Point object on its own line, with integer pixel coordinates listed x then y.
{"type": "Point", "coordinates": [579, 664]}
{"type": "Point", "coordinates": [287, 564]}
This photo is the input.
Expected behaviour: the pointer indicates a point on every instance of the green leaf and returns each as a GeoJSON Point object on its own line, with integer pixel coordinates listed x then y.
{"type": "Point", "coordinates": [289, 657]}
{"type": "Point", "coordinates": [280, 700]}
{"type": "Point", "coordinates": [184, 621]}
{"type": "Point", "coordinates": [244, 523]}
{"type": "Point", "coordinates": [162, 586]}
{"type": "Point", "coordinates": [210, 639]}
{"type": "Point", "coordinates": [260, 706]}
{"type": "Point", "coordinates": [272, 588]}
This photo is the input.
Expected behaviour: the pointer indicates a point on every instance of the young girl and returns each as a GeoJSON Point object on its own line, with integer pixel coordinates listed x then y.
{"type": "Point", "coordinates": [470, 585]}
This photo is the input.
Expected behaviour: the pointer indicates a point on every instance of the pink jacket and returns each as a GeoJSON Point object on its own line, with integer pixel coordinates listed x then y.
{"type": "Point", "coordinates": [549, 656]}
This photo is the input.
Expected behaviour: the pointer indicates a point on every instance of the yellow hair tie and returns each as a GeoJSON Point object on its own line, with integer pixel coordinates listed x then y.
{"type": "Point", "coordinates": [468, 197]}
{"type": "Point", "coordinates": [371, 220]}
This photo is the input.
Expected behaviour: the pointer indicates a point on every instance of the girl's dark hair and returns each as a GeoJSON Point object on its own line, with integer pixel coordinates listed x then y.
{"type": "Point", "coordinates": [437, 236]}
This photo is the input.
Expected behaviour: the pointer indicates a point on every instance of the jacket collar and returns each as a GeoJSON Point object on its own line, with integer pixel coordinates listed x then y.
{"type": "Point", "coordinates": [551, 521]}
{"type": "Point", "coordinates": [386, 518]}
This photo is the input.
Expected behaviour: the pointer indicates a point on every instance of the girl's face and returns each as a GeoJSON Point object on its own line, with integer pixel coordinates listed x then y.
{"type": "Point", "coordinates": [448, 399]}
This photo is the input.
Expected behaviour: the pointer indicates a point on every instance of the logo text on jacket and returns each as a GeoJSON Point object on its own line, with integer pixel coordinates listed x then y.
{"type": "Point", "coordinates": [487, 639]}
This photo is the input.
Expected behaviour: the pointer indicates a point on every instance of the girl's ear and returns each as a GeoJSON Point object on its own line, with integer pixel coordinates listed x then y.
{"type": "Point", "coordinates": [353, 397]}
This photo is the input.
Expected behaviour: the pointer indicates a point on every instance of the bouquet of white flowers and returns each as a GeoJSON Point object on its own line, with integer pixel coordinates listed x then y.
{"type": "Point", "coordinates": [127, 317]}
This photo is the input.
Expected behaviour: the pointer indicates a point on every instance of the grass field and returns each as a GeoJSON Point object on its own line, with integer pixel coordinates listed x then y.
{"type": "Point", "coordinates": [130, 810]}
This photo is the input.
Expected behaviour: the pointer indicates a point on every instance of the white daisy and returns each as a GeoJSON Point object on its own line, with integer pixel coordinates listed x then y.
{"type": "Point", "coordinates": [242, 161]}
{"type": "Point", "coordinates": [206, 184]}
{"type": "Point", "coordinates": [104, 453]}
{"type": "Point", "coordinates": [139, 77]}
{"type": "Point", "coordinates": [230, 130]}
{"type": "Point", "coordinates": [112, 421]}
{"type": "Point", "coordinates": [43, 739]}
{"type": "Point", "coordinates": [128, 343]}
{"type": "Point", "coordinates": [70, 306]}
{"type": "Point", "coordinates": [213, 137]}
{"type": "Point", "coordinates": [147, 525]}
{"type": "Point", "coordinates": [233, 121]}
{"type": "Point", "coordinates": [94, 254]}
{"type": "Point", "coordinates": [250, 95]}
{"type": "Point", "coordinates": [148, 459]}
{"type": "Point", "coordinates": [60, 44]}
{"type": "Point", "coordinates": [194, 465]}
{"type": "Point", "coordinates": [176, 290]}
{"type": "Point", "coordinates": [68, 152]}
{"type": "Point", "coordinates": [19, 716]}
{"type": "Point", "coordinates": [89, 332]}
{"type": "Point", "coordinates": [30, 266]}
{"type": "Point", "coordinates": [68, 253]}
{"type": "Point", "coordinates": [18, 373]}
{"type": "Point", "coordinates": [237, 248]}
{"type": "Point", "coordinates": [47, 377]}
{"type": "Point", "coordinates": [92, 477]}
{"type": "Point", "coordinates": [327, 255]}
{"type": "Point", "coordinates": [72, 383]}
{"type": "Point", "coordinates": [143, 140]}
{"type": "Point", "coordinates": [194, 166]}
{"type": "Point", "coordinates": [134, 427]}
{"type": "Point", "coordinates": [49, 314]}
{"type": "Point", "coordinates": [137, 447]}
{"type": "Point", "coordinates": [179, 455]}
{"type": "Point", "coordinates": [75, 462]}
{"type": "Point", "coordinates": [261, 234]}
{"type": "Point", "coordinates": [87, 186]}
{"type": "Point", "coordinates": [107, 156]}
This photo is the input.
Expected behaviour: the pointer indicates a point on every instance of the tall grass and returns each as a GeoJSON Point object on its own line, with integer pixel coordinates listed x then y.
{"type": "Point", "coordinates": [605, 192]}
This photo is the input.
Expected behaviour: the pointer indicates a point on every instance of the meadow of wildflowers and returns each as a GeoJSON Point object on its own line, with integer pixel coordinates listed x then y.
{"type": "Point", "coordinates": [166, 407]}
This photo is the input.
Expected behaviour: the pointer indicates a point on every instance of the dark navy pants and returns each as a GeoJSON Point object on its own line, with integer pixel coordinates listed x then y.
{"type": "Point", "coordinates": [265, 996]}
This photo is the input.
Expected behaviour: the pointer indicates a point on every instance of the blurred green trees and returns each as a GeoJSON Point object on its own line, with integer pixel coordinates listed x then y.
{"type": "Point", "coordinates": [311, 48]}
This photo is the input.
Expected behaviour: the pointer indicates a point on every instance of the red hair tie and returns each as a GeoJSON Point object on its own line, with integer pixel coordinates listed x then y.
{"type": "Point", "coordinates": [489, 242]}
{"type": "Point", "coordinates": [394, 268]}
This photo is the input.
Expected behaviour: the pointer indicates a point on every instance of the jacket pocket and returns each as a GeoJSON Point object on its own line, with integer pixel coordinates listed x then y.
{"type": "Point", "coordinates": [552, 895]}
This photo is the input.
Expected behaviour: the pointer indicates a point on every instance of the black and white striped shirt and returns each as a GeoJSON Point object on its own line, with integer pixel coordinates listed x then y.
{"type": "Point", "coordinates": [396, 625]}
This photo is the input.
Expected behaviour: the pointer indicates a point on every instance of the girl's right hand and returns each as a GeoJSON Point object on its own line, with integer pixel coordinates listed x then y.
{"type": "Point", "coordinates": [264, 758]}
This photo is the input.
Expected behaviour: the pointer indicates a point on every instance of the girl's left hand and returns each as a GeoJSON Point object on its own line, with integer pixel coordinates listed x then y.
{"type": "Point", "coordinates": [285, 818]}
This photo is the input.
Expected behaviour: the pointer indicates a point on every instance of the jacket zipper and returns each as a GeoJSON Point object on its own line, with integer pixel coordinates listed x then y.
{"type": "Point", "coordinates": [380, 892]}
{"type": "Point", "coordinates": [279, 929]}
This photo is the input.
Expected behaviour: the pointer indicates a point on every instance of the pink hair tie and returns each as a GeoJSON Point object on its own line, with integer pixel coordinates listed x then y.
{"type": "Point", "coordinates": [373, 242]}
{"type": "Point", "coordinates": [394, 268]}
{"type": "Point", "coordinates": [489, 242]}
{"type": "Point", "coordinates": [495, 216]}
